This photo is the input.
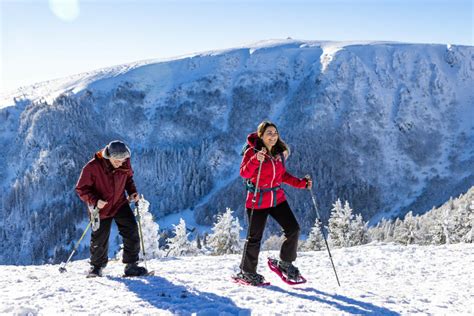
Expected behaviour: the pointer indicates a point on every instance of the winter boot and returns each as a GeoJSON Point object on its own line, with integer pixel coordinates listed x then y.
{"type": "Point", "coordinates": [251, 278]}
{"type": "Point", "coordinates": [289, 270]}
{"type": "Point", "coordinates": [132, 269]}
{"type": "Point", "coordinates": [95, 271]}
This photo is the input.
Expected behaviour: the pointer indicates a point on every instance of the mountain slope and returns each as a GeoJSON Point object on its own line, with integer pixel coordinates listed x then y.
{"type": "Point", "coordinates": [387, 126]}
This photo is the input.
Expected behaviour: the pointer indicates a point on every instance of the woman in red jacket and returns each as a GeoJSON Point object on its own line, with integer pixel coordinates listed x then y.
{"type": "Point", "coordinates": [102, 184]}
{"type": "Point", "coordinates": [266, 149]}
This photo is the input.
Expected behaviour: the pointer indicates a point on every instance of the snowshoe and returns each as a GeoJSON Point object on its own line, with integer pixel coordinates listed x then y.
{"type": "Point", "coordinates": [248, 278]}
{"type": "Point", "coordinates": [286, 271]}
{"type": "Point", "coordinates": [95, 272]}
{"type": "Point", "coordinates": [133, 270]}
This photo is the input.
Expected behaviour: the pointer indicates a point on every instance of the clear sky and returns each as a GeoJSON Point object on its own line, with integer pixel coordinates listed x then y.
{"type": "Point", "coordinates": [43, 39]}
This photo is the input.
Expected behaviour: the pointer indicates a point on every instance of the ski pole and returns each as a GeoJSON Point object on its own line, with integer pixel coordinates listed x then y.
{"type": "Point", "coordinates": [63, 267]}
{"type": "Point", "coordinates": [141, 233]}
{"type": "Point", "coordinates": [254, 199]}
{"type": "Point", "coordinates": [324, 236]}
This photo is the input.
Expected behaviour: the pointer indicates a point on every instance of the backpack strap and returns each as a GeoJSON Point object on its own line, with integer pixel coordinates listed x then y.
{"type": "Point", "coordinates": [282, 156]}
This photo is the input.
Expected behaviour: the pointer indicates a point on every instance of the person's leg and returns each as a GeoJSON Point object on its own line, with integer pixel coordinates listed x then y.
{"type": "Point", "coordinates": [252, 245]}
{"type": "Point", "coordinates": [286, 219]}
{"type": "Point", "coordinates": [128, 229]}
{"type": "Point", "coordinates": [99, 246]}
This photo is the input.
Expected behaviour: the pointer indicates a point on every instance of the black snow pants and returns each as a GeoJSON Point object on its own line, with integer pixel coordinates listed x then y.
{"type": "Point", "coordinates": [128, 229]}
{"type": "Point", "coordinates": [286, 219]}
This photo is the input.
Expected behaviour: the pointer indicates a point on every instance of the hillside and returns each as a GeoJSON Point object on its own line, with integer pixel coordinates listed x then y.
{"type": "Point", "coordinates": [386, 126]}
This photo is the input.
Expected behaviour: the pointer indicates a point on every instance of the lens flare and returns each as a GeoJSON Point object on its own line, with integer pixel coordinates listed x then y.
{"type": "Point", "coordinates": [66, 10]}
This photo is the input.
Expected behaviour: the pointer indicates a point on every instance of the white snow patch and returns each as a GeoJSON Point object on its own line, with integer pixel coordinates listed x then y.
{"type": "Point", "coordinates": [376, 279]}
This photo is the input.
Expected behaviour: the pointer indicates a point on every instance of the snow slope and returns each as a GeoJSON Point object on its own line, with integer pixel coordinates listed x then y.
{"type": "Point", "coordinates": [383, 279]}
{"type": "Point", "coordinates": [387, 126]}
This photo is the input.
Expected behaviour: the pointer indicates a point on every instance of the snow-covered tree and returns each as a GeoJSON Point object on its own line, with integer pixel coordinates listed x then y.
{"type": "Point", "coordinates": [273, 242]}
{"type": "Point", "coordinates": [447, 222]}
{"type": "Point", "coordinates": [452, 222]}
{"type": "Point", "coordinates": [150, 230]}
{"type": "Point", "coordinates": [469, 236]}
{"type": "Point", "coordinates": [315, 240]}
{"type": "Point", "coordinates": [225, 238]}
{"type": "Point", "coordinates": [462, 221]}
{"type": "Point", "coordinates": [344, 229]}
{"type": "Point", "coordinates": [179, 244]}
{"type": "Point", "coordinates": [405, 231]}
{"type": "Point", "coordinates": [359, 234]}
{"type": "Point", "coordinates": [340, 224]}
{"type": "Point", "coordinates": [383, 231]}
{"type": "Point", "coordinates": [436, 232]}
{"type": "Point", "coordinates": [426, 229]}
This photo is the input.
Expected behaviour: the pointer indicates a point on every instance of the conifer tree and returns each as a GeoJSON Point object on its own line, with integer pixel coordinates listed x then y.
{"type": "Point", "coordinates": [179, 244]}
{"type": "Point", "coordinates": [150, 231]}
{"type": "Point", "coordinates": [359, 234]}
{"type": "Point", "coordinates": [315, 239]}
{"type": "Point", "coordinates": [225, 238]}
{"type": "Point", "coordinates": [405, 231]}
{"type": "Point", "coordinates": [340, 224]}
{"type": "Point", "coordinates": [344, 229]}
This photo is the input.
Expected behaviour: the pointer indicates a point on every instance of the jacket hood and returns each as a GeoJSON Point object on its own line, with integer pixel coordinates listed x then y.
{"type": "Point", "coordinates": [252, 140]}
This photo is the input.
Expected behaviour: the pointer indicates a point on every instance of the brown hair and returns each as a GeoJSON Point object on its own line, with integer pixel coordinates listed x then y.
{"type": "Point", "coordinates": [280, 145]}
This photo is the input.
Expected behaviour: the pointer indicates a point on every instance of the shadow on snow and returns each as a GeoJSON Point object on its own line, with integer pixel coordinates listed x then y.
{"type": "Point", "coordinates": [165, 295]}
{"type": "Point", "coordinates": [343, 303]}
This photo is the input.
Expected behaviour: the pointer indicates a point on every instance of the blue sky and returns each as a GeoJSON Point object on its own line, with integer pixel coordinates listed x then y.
{"type": "Point", "coordinates": [41, 41]}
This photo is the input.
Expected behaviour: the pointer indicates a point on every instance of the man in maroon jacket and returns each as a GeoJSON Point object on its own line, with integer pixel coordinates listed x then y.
{"type": "Point", "coordinates": [102, 184]}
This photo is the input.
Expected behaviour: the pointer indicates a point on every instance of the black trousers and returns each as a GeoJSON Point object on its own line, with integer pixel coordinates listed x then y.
{"type": "Point", "coordinates": [128, 229]}
{"type": "Point", "coordinates": [284, 216]}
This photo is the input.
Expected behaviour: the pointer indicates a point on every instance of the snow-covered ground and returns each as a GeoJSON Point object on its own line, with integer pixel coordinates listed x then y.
{"type": "Point", "coordinates": [376, 279]}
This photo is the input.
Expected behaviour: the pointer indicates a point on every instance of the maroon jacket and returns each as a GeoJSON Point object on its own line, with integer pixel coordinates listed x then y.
{"type": "Point", "coordinates": [99, 180]}
{"type": "Point", "coordinates": [272, 175]}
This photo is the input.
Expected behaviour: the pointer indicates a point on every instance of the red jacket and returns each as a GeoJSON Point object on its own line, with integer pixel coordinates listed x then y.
{"type": "Point", "coordinates": [272, 175]}
{"type": "Point", "coordinates": [99, 180]}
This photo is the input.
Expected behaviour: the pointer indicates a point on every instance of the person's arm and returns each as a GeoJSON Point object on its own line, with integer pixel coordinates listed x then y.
{"type": "Point", "coordinates": [85, 187]}
{"type": "Point", "coordinates": [249, 164]}
{"type": "Point", "coordinates": [300, 183]}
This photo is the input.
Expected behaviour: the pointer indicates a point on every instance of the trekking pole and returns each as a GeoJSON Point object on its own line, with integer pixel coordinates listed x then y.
{"type": "Point", "coordinates": [254, 199]}
{"type": "Point", "coordinates": [62, 268]}
{"type": "Point", "coordinates": [141, 233]}
{"type": "Point", "coordinates": [322, 231]}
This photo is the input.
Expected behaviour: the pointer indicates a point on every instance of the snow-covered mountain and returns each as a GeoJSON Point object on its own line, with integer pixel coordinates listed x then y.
{"type": "Point", "coordinates": [386, 126]}
{"type": "Point", "coordinates": [376, 279]}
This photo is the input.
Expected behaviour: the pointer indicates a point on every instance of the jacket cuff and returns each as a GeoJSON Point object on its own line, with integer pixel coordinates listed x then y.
{"type": "Point", "coordinates": [304, 183]}
{"type": "Point", "coordinates": [93, 202]}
